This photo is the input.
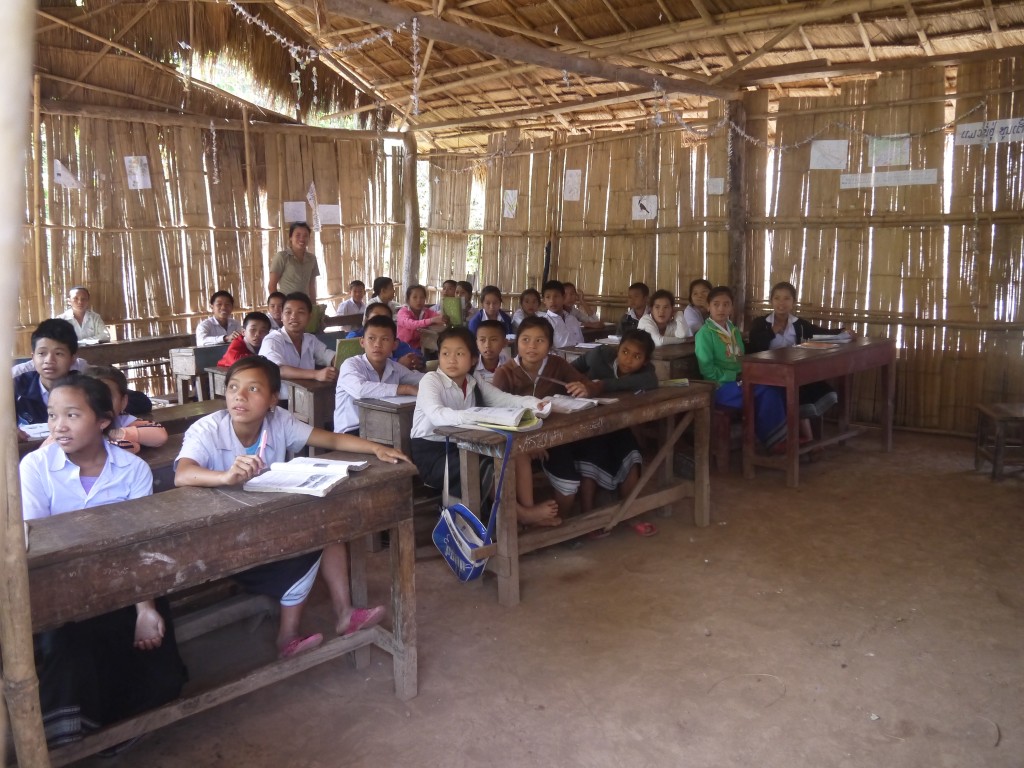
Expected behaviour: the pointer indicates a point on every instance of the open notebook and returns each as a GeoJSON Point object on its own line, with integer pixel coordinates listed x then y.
{"type": "Point", "coordinates": [303, 474]}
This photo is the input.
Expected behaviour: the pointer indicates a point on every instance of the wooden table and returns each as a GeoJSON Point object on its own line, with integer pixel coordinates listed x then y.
{"type": "Point", "coordinates": [86, 563]}
{"type": "Point", "coordinates": [790, 367]}
{"type": "Point", "coordinates": [188, 364]}
{"type": "Point", "coordinates": [671, 361]}
{"type": "Point", "coordinates": [672, 408]}
{"type": "Point", "coordinates": [146, 348]}
{"type": "Point", "coordinates": [999, 418]}
{"type": "Point", "coordinates": [593, 334]}
{"type": "Point", "coordinates": [386, 422]}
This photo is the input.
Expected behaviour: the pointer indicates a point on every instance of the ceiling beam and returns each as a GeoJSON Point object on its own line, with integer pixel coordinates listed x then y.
{"type": "Point", "coordinates": [990, 17]}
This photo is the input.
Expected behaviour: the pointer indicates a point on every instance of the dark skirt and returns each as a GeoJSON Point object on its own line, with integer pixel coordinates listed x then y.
{"type": "Point", "coordinates": [560, 469]}
{"type": "Point", "coordinates": [607, 459]}
{"type": "Point", "coordinates": [429, 456]}
{"type": "Point", "coordinates": [90, 675]}
{"type": "Point", "coordinates": [278, 579]}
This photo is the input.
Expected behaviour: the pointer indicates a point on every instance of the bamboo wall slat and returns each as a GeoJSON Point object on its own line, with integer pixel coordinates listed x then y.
{"type": "Point", "coordinates": [450, 181]}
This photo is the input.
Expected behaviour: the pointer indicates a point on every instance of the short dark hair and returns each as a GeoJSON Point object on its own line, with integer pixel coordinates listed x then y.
{"type": "Point", "coordinates": [567, 284]}
{"type": "Point", "coordinates": [529, 292]}
{"type": "Point", "coordinates": [494, 325]}
{"type": "Point", "coordinates": [460, 333]}
{"type": "Point", "coordinates": [109, 373]}
{"type": "Point", "coordinates": [269, 367]}
{"type": "Point", "coordinates": [553, 285]}
{"type": "Point", "coordinates": [663, 294]}
{"type": "Point", "coordinates": [97, 394]}
{"type": "Point", "coordinates": [699, 281]}
{"type": "Point", "coordinates": [295, 225]}
{"type": "Point", "coordinates": [380, 283]}
{"type": "Point", "coordinates": [464, 285]}
{"type": "Point", "coordinates": [259, 317]}
{"type": "Point", "coordinates": [375, 307]}
{"type": "Point", "coordinates": [642, 287]}
{"type": "Point", "coordinates": [276, 295]}
{"type": "Point", "coordinates": [783, 286]}
{"type": "Point", "coordinates": [537, 322]}
{"type": "Point", "coordinates": [221, 294]}
{"type": "Point", "coordinates": [300, 296]}
{"type": "Point", "coordinates": [411, 288]}
{"type": "Point", "coordinates": [453, 283]}
{"type": "Point", "coordinates": [720, 290]}
{"type": "Point", "coordinates": [489, 290]}
{"type": "Point", "coordinates": [57, 330]}
{"type": "Point", "coordinates": [355, 283]}
{"type": "Point", "coordinates": [379, 321]}
{"type": "Point", "coordinates": [643, 338]}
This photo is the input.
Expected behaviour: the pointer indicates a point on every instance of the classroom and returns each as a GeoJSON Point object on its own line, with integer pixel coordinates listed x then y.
{"type": "Point", "coordinates": [572, 382]}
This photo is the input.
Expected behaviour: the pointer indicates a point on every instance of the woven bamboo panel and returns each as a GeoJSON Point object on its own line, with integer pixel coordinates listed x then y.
{"type": "Point", "coordinates": [450, 182]}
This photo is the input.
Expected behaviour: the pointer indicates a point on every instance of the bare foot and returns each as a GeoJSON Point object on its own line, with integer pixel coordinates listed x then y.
{"type": "Point", "coordinates": [545, 513]}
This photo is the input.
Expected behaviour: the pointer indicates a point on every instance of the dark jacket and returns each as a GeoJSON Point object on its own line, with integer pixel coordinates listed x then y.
{"type": "Point", "coordinates": [29, 407]}
{"type": "Point", "coordinates": [599, 363]}
{"type": "Point", "coordinates": [761, 333]}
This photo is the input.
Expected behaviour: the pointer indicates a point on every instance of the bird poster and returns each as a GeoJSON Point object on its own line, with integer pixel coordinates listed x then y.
{"type": "Point", "coordinates": [645, 207]}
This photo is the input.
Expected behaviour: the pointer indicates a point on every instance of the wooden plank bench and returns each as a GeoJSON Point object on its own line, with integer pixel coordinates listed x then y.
{"type": "Point", "coordinates": [173, 541]}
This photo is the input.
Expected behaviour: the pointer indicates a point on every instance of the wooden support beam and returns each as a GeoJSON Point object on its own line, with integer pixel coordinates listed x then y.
{"type": "Point", "coordinates": [864, 37]}
{"type": "Point", "coordinates": [516, 50]}
{"type": "Point", "coordinates": [916, 23]}
{"type": "Point", "coordinates": [737, 215]}
{"type": "Point", "coordinates": [411, 244]}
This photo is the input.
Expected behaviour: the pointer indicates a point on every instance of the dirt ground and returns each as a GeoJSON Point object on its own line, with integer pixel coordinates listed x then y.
{"type": "Point", "coordinates": [872, 617]}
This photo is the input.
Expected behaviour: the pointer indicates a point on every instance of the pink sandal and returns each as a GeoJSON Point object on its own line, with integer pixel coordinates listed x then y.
{"type": "Point", "coordinates": [301, 645]}
{"type": "Point", "coordinates": [364, 618]}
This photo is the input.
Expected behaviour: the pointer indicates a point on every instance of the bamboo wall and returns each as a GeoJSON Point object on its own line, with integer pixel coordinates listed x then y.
{"type": "Point", "coordinates": [152, 257]}
{"type": "Point", "coordinates": [450, 181]}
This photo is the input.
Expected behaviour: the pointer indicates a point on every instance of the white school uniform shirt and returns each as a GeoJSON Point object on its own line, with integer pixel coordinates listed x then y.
{"type": "Point", "coordinates": [274, 325]}
{"type": "Point", "coordinates": [210, 331]}
{"type": "Point", "coordinates": [785, 339]}
{"type": "Point", "coordinates": [440, 403]}
{"type": "Point", "coordinates": [91, 327]}
{"type": "Point", "coordinates": [568, 332]}
{"type": "Point", "coordinates": [51, 483]}
{"type": "Point", "coordinates": [675, 332]}
{"type": "Point", "coordinates": [358, 380]}
{"type": "Point", "coordinates": [693, 318]}
{"type": "Point", "coordinates": [519, 315]}
{"type": "Point", "coordinates": [350, 307]}
{"type": "Point", "coordinates": [480, 373]}
{"type": "Point", "coordinates": [278, 347]}
{"type": "Point", "coordinates": [211, 442]}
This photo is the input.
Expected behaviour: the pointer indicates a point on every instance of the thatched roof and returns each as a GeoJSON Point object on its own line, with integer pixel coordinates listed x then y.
{"type": "Point", "coordinates": [491, 64]}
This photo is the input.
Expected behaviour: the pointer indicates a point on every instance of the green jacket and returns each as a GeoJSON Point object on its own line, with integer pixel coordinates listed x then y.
{"type": "Point", "coordinates": [717, 361]}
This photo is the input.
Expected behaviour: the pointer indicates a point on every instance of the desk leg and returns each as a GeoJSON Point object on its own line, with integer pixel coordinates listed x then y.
{"type": "Point", "coordinates": [748, 430]}
{"type": "Point", "coordinates": [888, 401]}
{"type": "Point", "coordinates": [358, 590]}
{"type": "Point", "coordinates": [197, 383]}
{"type": "Point", "coordinates": [183, 383]}
{"type": "Point", "coordinates": [998, 450]}
{"type": "Point", "coordinates": [507, 558]}
{"type": "Point", "coordinates": [845, 405]}
{"type": "Point", "coordinates": [403, 607]}
{"type": "Point", "coordinates": [792, 432]}
{"type": "Point", "coordinates": [701, 468]}
{"type": "Point", "coordinates": [665, 472]}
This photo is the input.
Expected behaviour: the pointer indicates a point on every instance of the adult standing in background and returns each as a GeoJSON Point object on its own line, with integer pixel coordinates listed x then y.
{"type": "Point", "coordinates": [89, 326]}
{"type": "Point", "coordinates": [294, 270]}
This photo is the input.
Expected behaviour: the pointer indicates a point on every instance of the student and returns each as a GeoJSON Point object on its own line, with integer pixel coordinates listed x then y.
{"type": "Point", "coordinates": [536, 372]}
{"type": "Point", "coordinates": [295, 269]}
{"type": "Point", "coordinates": [221, 328]}
{"type": "Point", "coordinates": [576, 303]}
{"type": "Point", "coordinates": [490, 309]}
{"type": "Point", "coordinates": [696, 312]}
{"type": "Point", "coordinates": [371, 374]}
{"type": "Point", "coordinates": [126, 431]}
{"type": "Point", "coordinates": [296, 352]}
{"type": "Point", "coordinates": [568, 332]}
{"type": "Point", "coordinates": [719, 347]}
{"type": "Point", "coordinates": [403, 354]}
{"type": "Point", "coordinates": [54, 343]}
{"type": "Point", "coordinates": [356, 301]}
{"type": "Point", "coordinates": [664, 324]}
{"type": "Point", "coordinates": [492, 347]}
{"type": "Point", "coordinates": [89, 326]}
{"type": "Point", "coordinates": [384, 292]}
{"type": "Point", "coordinates": [443, 396]}
{"type": "Point", "coordinates": [529, 306]}
{"type": "Point", "coordinates": [464, 290]}
{"type": "Point", "coordinates": [447, 291]}
{"type": "Point", "coordinates": [275, 306]}
{"type": "Point", "coordinates": [231, 446]}
{"type": "Point", "coordinates": [637, 296]}
{"type": "Point", "coordinates": [107, 668]}
{"type": "Point", "coordinates": [613, 460]}
{"type": "Point", "coordinates": [416, 315]}
{"type": "Point", "coordinates": [255, 327]}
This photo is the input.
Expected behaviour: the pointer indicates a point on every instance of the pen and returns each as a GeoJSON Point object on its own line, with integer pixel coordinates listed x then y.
{"type": "Point", "coordinates": [263, 445]}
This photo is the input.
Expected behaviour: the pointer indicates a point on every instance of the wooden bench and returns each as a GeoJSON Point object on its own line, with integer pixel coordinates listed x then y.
{"type": "Point", "coordinates": [387, 422]}
{"type": "Point", "coordinates": [77, 563]}
{"type": "Point", "coordinates": [1000, 438]}
{"type": "Point", "coordinates": [178, 418]}
{"type": "Point", "coordinates": [671, 361]}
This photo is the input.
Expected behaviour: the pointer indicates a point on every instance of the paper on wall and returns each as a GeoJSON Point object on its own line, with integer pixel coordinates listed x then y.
{"type": "Point", "coordinates": [330, 214]}
{"type": "Point", "coordinates": [137, 168]}
{"type": "Point", "coordinates": [313, 201]}
{"type": "Point", "coordinates": [571, 185]}
{"type": "Point", "coordinates": [829, 154]}
{"type": "Point", "coordinates": [990, 132]}
{"type": "Point", "coordinates": [716, 185]}
{"type": "Point", "coordinates": [889, 179]}
{"type": "Point", "coordinates": [510, 203]}
{"type": "Point", "coordinates": [294, 210]}
{"type": "Point", "coordinates": [645, 207]}
{"type": "Point", "coordinates": [889, 150]}
{"type": "Point", "coordinates": [64, 177]}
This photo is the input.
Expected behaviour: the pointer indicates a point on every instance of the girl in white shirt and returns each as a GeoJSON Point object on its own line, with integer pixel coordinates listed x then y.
{"type": "Point", "coordinates": [664, 327]}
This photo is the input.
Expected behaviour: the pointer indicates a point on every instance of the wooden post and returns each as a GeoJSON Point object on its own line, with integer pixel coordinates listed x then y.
{"type": "Point", "coordinates": [255, 251]}
{"type": "Point", "coordinates": [21, 688]}
{"type": "Point", "coordinates": [37, 201]}
{"type": "Point", "coordinates": [737, 211]}
{"type": "Point", "coordinates": [411, 250]}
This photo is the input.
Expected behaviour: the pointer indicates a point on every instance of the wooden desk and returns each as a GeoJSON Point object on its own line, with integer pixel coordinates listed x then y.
{"type": "Point", "coordinates": [672, 408]}
{"type": "Point", "coordinates": [188, 364]}
{"type": "Point", "coordinates": [791, 367]}
{"type": "Point", "coordinates": [178, 418]}
{"type": "Point", "coordinates": [78, 564]}
{"type": "Point", "coordinates": [593, 334]}
{"type": "Point", "coordinates": [671, 361]}
{"type": "Point", "coordinates": [147, 348]}
{"type": "Point", "coordinates": [386, 422]}
{"type": "Point", "coordinates": [1002, 449]}
{"type": "Point", "coordinates": [354, 320]}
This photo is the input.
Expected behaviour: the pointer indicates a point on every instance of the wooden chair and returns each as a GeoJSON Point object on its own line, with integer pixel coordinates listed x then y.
{"type": "Point", "coordinates": [1000, 438]}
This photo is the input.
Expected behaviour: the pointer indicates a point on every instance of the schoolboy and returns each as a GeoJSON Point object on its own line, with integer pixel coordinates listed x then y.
{"type": "Point", "coordinates": [576, 303]}
{"type": "Point", "coordinates": [403, 354]}
{"type": "Point", "coordinates": [275, 305]}
{"type": "Point", "coordinates": [295, 351]}
{"type": "Point", "coordinates": [87, 324]}
{"type": "Point", "coordinates": [356, 301]}
{"type": "Point", "coordinates": [447, 291]}
{"type": "Point", "coordinates": [568, 332]}
{"type": "Point", "coordinates": [493, 349]}
{"type": "Point", "coordinates": [255, 327]}
{"type": "Point", "coordinates": [372, 374]}
{"type": "Point", "coordinates": [637, 297]}
{"type": "Point", "coordinates": [54, 343]}
{"type": "Point", "coordinates": [221, 328]}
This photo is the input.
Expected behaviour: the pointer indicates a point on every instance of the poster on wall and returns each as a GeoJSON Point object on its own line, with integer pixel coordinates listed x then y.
{"type": "Point", "coordinates": [137, 168]}
{"type": "Point", "coordinates": [716, 185]}
{"type": "Point", "coordinates": [571, 185]}
{"type": "Point", "coordinates": [829, 154]}
{"type": "Point", "coordinates": [294, 210]}
{"type": "Point", "coordinates": [645, 207]}
{"type": "Point", "coordinates": [330, 214]}
{"type": "Point", "coordinates": [888, 150]}
{"type": "Point", "coordinates": [923, 176]}
{"type": "Point", "coordinates": [64, 177]}
{"type": "Point", "coordinates": [509, 203]}
{"type": "Point", "coordinates": [990, 132]}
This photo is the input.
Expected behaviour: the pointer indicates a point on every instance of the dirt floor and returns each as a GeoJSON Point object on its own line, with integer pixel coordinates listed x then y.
{"type": "Point", "coordinates": [872, 617]}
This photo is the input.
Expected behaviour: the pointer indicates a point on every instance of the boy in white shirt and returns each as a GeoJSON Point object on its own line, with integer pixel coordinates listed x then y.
{"type": "Point", "coordinates": [356, 301]}
{"type": "Point", "coordinates": [576, 303]}
{"type": "Point", "coordinates": [295, 351]}
{"type": "Point", "coordinates": [568, 332]}
{"type": "Point", "coordinates": [493, 349]}
{"type": "Point", "coordinates": [89, 326]}
{"type": "Point", "coordinates": [372, 374]}
{"type": "Point", "coordinates": [221, 328]}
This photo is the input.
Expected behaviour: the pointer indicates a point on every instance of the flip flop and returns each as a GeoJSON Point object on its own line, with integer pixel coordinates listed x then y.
{"type": "Point", "coordinates": [301, 645]}
{"type": "Point", "coordinates": [364, 618]}
{"type": "Point", "coordinates": [644, 529]}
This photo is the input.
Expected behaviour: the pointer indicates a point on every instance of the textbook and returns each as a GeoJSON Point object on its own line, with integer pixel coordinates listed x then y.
{"type": "Point", "coordinates": [509, 419]}
{"type": "Point", "coordinates": [837, 338]}
{"type": "Point", "coordinates": [303, 474]}
{"type": "Point", "coordinates": [567, 404]}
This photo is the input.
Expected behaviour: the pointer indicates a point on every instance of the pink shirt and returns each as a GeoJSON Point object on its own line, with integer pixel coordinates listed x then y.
{"type": "Point", "coordinates": [409, 324]}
